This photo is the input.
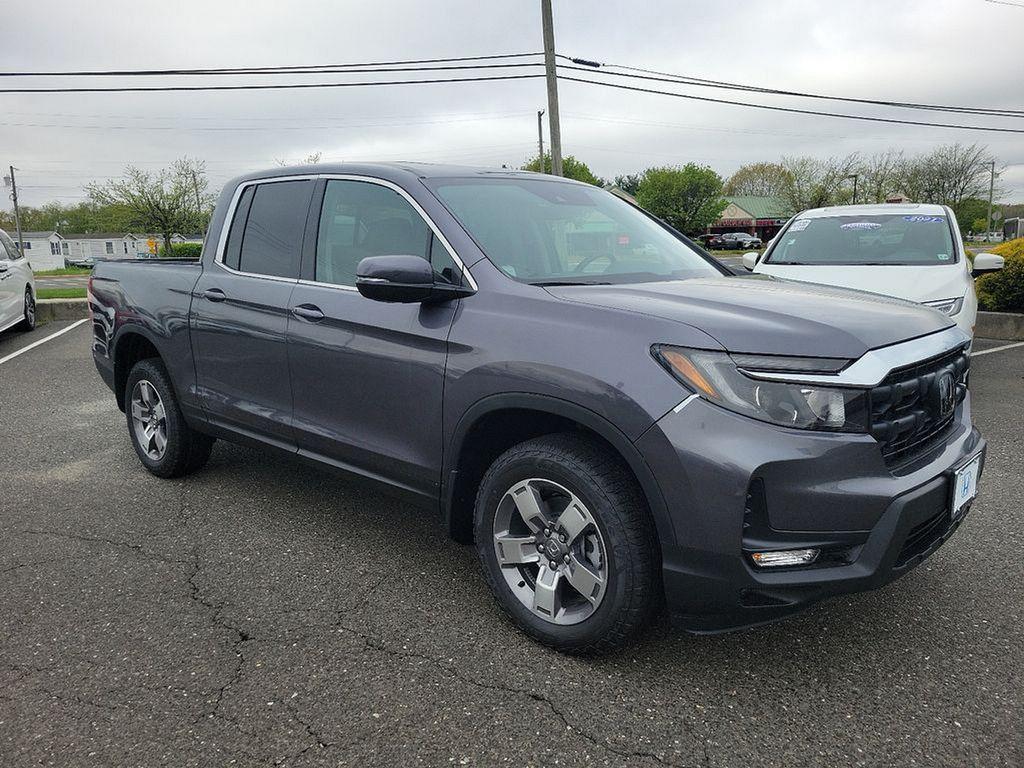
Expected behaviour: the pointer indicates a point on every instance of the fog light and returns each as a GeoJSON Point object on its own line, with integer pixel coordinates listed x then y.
{"type": "Point", "coordinates": [785, 557]}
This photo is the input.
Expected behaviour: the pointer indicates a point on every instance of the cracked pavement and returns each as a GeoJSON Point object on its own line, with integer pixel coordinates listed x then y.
{"type": "Point", "coordinates": [264, 613]}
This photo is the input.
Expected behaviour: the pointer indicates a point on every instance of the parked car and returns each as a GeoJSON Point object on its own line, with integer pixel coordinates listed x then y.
{"type": "Point", "coordinates": [615, 420]}
{"type": "Point", "coordinates": [736, 241]}
{"type": "Point", "coordinates": [80, 261]}
{"type": "Point", "coordinates": [708, 241]}
{"type": "Point", "coordinates": [17, 288]}
{"type": "Point", "coordinates": [910, 251]}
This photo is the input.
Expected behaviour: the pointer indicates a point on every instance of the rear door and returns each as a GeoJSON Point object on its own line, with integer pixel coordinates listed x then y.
{"type": "Point", "coordinates": [368, 377]}
{"type": "Point", "coordinates": [240, 311]}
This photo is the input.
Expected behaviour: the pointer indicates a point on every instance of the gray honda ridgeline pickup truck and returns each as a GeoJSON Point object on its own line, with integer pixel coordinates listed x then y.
{"type": "Point", "coordinates": [614, 419]}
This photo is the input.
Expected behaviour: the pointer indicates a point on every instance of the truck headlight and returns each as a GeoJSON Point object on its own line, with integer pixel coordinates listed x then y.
{"type": "Point", "coordinates": [716, 377]}
{"type": "Point", "coordinates": [946, 306]}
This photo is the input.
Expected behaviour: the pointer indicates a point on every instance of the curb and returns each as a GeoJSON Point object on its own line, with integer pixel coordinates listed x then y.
{"type": "Point", "coordinates": [61, 309]}
{"type": "Point", "coordinates": [1000, 325]}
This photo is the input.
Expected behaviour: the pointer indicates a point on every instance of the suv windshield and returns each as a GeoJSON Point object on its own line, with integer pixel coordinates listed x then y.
{"type": "Point", "coordinates": [889, 239]}
{"type": "Point", "coordinates": [539, 231]}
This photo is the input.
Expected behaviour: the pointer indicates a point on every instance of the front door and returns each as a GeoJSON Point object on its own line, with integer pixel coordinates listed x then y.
{"type": "Point", "coordinates": [367, 376]}
{"type": "Point", "coordinates": [240, 312]}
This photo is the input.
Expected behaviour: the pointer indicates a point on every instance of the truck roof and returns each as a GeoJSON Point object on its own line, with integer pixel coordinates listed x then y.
{"type": "Point", "coordinates": [391, 171]}
{"type": "Point", "coordinates": [874, 209]}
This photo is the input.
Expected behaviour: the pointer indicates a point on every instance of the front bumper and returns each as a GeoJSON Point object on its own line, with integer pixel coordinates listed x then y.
{"type": "Point", "coordinates": [733, 484]}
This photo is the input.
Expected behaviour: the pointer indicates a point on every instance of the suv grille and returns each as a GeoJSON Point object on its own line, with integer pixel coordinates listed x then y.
{"type": "Point", "coordinates": [910, 409]}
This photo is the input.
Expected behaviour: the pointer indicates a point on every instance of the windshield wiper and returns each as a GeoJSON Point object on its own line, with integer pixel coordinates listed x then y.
{"type": "Point", "coordinates": [568, 282]}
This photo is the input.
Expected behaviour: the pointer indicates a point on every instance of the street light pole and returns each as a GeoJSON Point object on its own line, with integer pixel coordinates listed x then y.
{"type": "Point", "coordinates": [854, 177]}
{"type": "Point", "coordinates": [540, 139]}
{"type": "Point", "coordinates": [552, 81]}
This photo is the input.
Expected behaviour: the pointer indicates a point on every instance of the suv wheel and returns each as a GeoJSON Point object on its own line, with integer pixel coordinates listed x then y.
{"type": "Point", "coordinates": [567, 543]}
{"type": "Point", "coordinates": [165, 444]}
{"type": "Point", "coordinates": [28, 320]}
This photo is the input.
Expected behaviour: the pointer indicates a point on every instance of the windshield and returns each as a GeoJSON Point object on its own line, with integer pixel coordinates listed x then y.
{"type": "Point", "coordinates": [546, 232]}
{"type": "Point", "coordinates": [889, 239]}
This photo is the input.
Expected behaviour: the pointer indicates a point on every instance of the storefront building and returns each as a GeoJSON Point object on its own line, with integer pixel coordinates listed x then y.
{"type": "Point", "coordinates": [761, 216]}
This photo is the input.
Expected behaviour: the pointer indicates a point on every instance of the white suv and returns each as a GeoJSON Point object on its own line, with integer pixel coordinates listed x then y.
{"type": "Point", "coordinates": [17, 287]}
{"type": "Point", "coordinates": [910, 251]}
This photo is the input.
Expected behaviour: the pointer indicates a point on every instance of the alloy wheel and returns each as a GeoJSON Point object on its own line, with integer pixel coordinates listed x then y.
{"type": "Point", "coordinates": [550, 551]}
{"type": "Point", "coordinates": [30, 307]}
{"type": "Point", "coordinates": [149, 419]}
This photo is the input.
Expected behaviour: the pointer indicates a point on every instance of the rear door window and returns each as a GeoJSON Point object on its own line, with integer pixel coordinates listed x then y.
{"type": "Point", "coordinates": [271, 234]}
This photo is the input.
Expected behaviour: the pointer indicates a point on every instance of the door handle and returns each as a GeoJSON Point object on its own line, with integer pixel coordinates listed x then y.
{"type": "Point", "coordinates": [309, 312]}
{"type": "Point", "coordinates": [214, 294]}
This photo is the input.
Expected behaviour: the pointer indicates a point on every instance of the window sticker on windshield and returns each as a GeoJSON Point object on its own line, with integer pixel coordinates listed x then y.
{"type": "Point", "coordinates": [800, 225]}
{"type": "Point", "coordinates": [943, 257]}
{"type": "Point", "coordinates": [925, 219]}
{"type": "Point", "coordinates": [861, 225]}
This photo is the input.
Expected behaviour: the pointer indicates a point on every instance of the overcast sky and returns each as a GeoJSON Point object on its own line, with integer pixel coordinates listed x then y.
{"type": "Point", "coordinates": [939, 51]}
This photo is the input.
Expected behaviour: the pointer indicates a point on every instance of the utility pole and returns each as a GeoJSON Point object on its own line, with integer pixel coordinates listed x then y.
{"type": "Point", "coordinates": [991, 189]}
{"type": "Point", "coordinates": [552, 80]}
{"type": "Point", "coordinates": [17, 214]}
{"type": "Point", "coordinates": [854, 177]}
{"type": "Point", "coordinates": [540, 139]}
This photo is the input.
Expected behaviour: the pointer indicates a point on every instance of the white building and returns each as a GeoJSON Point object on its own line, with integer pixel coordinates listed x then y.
{"type": "Point", "coordinates": [105, 245]}
{"type": "Point", "coordinates": [44, 250]}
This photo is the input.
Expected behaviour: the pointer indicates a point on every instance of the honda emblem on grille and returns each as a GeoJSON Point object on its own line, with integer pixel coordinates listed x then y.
{"type": "Point", "coordinates": [946, 392]}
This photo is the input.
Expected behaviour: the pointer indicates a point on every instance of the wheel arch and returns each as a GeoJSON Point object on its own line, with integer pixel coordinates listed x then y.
{"type": "Point", "coordinates": [496, 423]}
{"type": "Point", "coordinates": [131, 345]}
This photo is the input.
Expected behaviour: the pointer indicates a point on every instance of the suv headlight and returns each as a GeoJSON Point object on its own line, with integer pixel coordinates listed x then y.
{"type": "Point", "coordinates": [946, 306]}
{"type": "Point", "coordinates": [717, 377]}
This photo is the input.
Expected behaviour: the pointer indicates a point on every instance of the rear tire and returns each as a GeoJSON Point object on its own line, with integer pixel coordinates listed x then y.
{"type": "Point", "coordinates": [28, 320]}
{"type": "Point", "coordinates": [164, 442]}
{"type": "Point", "coordinates": [590, 551]}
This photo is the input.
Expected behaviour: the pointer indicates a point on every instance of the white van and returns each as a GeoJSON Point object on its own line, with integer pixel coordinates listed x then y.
{"type": "Point", "coordinates": [911, 251]}
{"type": "Point", "coordinates": [17, 287]}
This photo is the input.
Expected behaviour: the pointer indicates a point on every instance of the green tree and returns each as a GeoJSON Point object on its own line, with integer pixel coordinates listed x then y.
{"type": "Point", "coordinates": [688, 197]}
{"type": "Point", "coordinates": [629, 182]}
{"type": "Point", "coordinates": [760, 180]}
{"type": "Point", "coordinates": [168, 201]}
{"type": "Point", "coordinates": [968, 212]}
{"type": "Point", "coordinates": [817, 183]}
{"type": "Point", "coordinates": [571, 169]}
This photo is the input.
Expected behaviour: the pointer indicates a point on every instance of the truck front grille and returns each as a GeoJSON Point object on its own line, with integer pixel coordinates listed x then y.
{"type": "Point", "coordinates": [908, 412]}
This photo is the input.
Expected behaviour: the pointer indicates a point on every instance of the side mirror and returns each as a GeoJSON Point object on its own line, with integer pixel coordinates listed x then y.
{"type": "Point", "coordinates": [750, 260]}
{"type": "Point", "coordinates": [987, 262]}
{"type": "Point", "coordinates": [403, 279]}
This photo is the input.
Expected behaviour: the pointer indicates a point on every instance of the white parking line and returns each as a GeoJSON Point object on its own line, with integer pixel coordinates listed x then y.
{"type": "Point", "coordinates": [35, 344]}
{"type": "Point", "coordinates": [973, 354]}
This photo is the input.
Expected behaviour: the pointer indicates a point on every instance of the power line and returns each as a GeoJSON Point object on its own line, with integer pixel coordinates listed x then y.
{"type": "Point", "coordinates": [284, 69]}
{"type": "Point", "coordinates": [271, 87]}
{"type": "Point", "coordinates": [667, 77]}
{"type": "Point", "coordinates": [791, 110]}
{"type": "Point", "coordinates": [236, 128]}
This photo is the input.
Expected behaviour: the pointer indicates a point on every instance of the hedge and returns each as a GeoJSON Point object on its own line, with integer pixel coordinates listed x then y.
{"type": "Point", "coordinates": [182, 251]}
{"type": "Point", "coordinates": [1003, 291]}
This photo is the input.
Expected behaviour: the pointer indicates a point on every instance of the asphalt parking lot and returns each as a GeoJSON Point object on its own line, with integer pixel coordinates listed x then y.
{"type": "Point", "coordinates": [263, 613]}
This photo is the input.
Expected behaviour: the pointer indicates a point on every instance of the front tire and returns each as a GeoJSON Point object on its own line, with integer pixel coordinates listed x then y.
{"type": "Point", "coordinates": [163, 441]}
{"type": "Point", "coordinates": [567, 543]}
{"type": "Point", "coordinates": [28, 320]}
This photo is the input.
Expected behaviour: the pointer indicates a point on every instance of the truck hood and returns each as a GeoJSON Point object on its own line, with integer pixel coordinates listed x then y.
{"type": "Point", "coordinates": [913, 283]}
{"type": "Point", "coordinates": [759, 314]}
